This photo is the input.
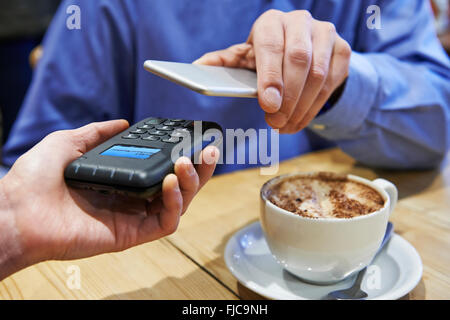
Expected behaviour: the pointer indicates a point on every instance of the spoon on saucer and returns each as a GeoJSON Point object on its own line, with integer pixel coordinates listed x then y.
{"type": "Point", "coordinates": [355, 292]}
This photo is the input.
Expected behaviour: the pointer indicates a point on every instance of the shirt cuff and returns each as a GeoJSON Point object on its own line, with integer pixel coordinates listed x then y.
{"type": "Point", "coordinates": [352, 108]}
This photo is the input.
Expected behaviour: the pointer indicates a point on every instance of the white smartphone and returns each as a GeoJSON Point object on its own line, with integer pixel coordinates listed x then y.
{"type": "Point", "coordinates": [208, 80]}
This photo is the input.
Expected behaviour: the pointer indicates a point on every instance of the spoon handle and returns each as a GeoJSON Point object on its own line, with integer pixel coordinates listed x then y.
{"type": "Point", "coordinates": [387, 236]}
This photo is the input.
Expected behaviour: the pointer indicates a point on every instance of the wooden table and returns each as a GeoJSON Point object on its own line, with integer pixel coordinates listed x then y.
{"type": "Point", "coordinates": [189, 264]}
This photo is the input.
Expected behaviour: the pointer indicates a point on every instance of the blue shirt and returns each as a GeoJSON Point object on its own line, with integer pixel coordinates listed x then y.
{"type": "Point", "coordinates": [393, 112]}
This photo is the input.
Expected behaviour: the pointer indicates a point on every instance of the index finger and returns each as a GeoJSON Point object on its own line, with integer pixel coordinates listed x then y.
{"type": "Point", "coordinates": [234, 56]}
{"type": "Point", "coordinates": [210, 155]}
{"type": "Point", "coordinates": [267, 37]}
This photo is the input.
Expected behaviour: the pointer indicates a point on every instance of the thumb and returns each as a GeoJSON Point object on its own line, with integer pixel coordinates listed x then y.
{"type": "Point", "coordinates": [93, 134]}
{"type": "Point", "coordinates": [67, 145]}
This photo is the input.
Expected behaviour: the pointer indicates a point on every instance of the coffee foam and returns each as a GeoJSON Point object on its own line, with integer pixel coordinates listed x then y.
{"type": "Point", "coordinates": [325, 195]}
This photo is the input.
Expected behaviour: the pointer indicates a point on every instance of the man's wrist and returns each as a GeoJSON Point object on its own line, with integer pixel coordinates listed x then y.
{"type": "Point", "coordinates": [12, 258]}
{"type": "Point", "coordinates": [354, 104]}
{"type": "Point", "coordinates": [333, 98]}
{"type": "Point", "coordinates": [337, 93]}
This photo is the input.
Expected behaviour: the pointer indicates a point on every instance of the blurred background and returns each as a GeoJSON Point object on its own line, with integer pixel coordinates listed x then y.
{"type": "Point", "coordinates": [23, 24]}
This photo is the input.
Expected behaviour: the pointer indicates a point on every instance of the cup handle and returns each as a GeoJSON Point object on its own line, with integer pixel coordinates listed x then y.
{"type": "Point", "coordinates": [391, 190]}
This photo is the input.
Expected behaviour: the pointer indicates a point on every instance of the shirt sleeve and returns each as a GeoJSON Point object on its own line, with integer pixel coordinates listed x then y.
{"type": "Point", "coordinates": [394, 110]}
{"type": "Point", "coordinates": [75, 82]}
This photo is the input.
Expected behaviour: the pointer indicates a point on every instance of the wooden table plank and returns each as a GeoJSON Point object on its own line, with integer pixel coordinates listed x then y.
{"type": "Point", "coordinates": [159, 270]}
{"type": "Point", "coordinates": [155, 270]}
{"type": "Point", "coordinates": [229, 202]}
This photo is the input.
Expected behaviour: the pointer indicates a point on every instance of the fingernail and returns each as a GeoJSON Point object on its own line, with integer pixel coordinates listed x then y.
{"type": "Point", "coordinates": [277, 120]}
{"type": "Point", "coordinates": [177, 186]}
{"type": "Point", "coordinates": [210, 157]}
{"type": "Point", "coordinates": [273, 99]}
{"type": "Point", "coordinates": [213, 153]}
{"type": "Point", "coordinates": [173, 177]}
{"type": "Point", "coordinates": [188, 166]}
{"type": "Point", "coordinates": [191, 170]}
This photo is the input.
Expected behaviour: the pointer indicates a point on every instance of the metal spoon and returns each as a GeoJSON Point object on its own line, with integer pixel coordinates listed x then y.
{"type": "Point", "coordinates": [355, 292]}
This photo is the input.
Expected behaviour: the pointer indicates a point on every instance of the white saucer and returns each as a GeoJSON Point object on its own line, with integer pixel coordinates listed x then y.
{"type": "Point", "coordinates": [395, 271]}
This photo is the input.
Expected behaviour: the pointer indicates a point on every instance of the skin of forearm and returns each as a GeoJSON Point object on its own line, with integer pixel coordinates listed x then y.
{"type": "Point", "coordinates": [11, 255]}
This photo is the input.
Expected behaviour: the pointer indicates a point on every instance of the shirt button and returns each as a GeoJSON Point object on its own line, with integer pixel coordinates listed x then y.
{"type": "Point", "coordinates": [319, 126]}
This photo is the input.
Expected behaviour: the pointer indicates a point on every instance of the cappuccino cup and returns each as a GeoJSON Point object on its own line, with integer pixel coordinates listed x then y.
{"type": "Point", "coordinates": [325, 250]}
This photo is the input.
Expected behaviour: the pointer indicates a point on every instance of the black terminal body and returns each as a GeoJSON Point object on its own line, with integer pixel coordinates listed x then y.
{"type": "Point", "coordinates": [135, 162]}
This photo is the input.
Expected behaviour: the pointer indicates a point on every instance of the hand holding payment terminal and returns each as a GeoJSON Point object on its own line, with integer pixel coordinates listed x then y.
{"type": "Point", "coordinates": [135, 162]}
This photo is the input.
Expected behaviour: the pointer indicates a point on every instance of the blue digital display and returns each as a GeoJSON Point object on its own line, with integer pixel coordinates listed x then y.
{"type": "Point", "coordinates": [130, 152]}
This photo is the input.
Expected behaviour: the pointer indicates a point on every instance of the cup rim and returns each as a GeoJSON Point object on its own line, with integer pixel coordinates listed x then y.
{"type": "Point", "coordinates": [352, 177]}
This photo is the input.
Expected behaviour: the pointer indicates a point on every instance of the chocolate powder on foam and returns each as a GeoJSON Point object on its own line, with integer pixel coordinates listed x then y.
{"type": "Point", "coordinates": [326, 195]}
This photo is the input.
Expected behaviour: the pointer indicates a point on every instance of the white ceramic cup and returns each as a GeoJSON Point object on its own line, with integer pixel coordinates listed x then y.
{"type": "Point", "coordinates": [325, 250]}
